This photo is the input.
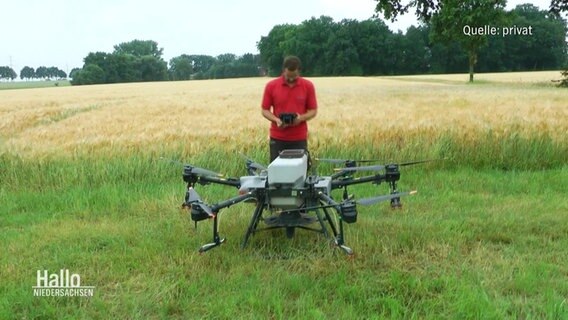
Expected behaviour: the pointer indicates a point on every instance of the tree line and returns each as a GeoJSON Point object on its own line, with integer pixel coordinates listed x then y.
{"type": "Point", "coordinates": [29, 73]}
{"type": "Point", "coordinates": [353, 48]}
{"type": "Point", "coordinates": [141, 60]}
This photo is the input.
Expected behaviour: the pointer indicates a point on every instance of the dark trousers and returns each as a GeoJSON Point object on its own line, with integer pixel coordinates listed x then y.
{"type": "Point", "coordinates": [278, 145]}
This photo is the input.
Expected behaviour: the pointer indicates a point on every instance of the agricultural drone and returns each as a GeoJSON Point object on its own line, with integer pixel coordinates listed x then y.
{"type": "Point", "coordinates": [293, 196]}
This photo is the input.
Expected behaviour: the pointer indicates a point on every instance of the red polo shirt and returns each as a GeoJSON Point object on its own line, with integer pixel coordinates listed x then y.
{"type": "Point", "coordinates": [285, 99]}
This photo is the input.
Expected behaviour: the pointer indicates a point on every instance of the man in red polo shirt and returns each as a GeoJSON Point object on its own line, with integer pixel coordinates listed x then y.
{"type": "Point", "coordinates": [289, 93]}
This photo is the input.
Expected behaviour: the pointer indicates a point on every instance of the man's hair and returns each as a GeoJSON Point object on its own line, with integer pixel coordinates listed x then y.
{"type": "Point", "coordinates": [292, 63]}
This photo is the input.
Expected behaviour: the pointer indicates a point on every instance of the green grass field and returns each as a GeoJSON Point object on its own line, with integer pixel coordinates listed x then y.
{"type": "Point", "coordinates": [484, 238]}
{"type": "Point", "coordinates": [33, 84]}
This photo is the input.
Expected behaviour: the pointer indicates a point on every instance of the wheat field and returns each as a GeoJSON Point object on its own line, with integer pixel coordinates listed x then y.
{"type": "Point", "coordinates": [194, 115]}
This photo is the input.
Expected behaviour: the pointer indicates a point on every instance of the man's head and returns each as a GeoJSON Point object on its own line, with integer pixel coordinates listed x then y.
{"type": "Point", "coordinates": [291, 68]}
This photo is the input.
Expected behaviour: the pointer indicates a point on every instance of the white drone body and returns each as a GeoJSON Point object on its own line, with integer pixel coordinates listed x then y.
{"type": "Point", "coordinates": [286, 178]}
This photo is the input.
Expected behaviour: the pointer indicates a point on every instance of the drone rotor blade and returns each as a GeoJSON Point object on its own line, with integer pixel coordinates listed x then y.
{"type": "Point", "coordinates": [362, 168]}
{"type": "Point", "coordinates": [416, 162]}
{"type": "Point", "coordinates": [201, 171]}
{"type": "Point", "coordinates": [373, 200]}
{"type": "Point", "coordinates": [340, 161]}
{"type": "Point", "coordinates": [251, 163]}
{"type": "Point", "coordinates": [172, 161]}
{"type": "Point", "coordinates": [257, 166]}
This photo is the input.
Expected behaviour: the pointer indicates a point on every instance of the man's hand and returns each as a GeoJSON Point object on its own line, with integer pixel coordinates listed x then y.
{"type": "Point", "coordinates": [297, 120]}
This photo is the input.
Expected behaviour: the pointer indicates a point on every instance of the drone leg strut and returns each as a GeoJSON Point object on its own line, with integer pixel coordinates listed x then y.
{"type": "Point", "coordinates": [320, 220]}
{"type": "Point", "coordinates": [340, 241]}
{"type": "Point", "coordinates": [254, 221]}
{"type": "Point", "coordinates": [331, 224]}
{"type": "Point", "coordinates": [217, 241]}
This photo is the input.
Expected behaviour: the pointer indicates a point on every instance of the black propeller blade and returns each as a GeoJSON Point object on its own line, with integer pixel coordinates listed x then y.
{"type": "Point", "coordinates": [341, 161]}
{"type": "Point", "coordinates": [381, 167]}
{"type": "Point", "coordinates": [362, 168]}
{"type": "Point", "coordinates": [251, 163]}
{"type": "Point", "coordinates": [373, 200]}
{"type": "Point", "coordinates": [417, 162]}
{"type": "Point", "coordinates": [189, 169]}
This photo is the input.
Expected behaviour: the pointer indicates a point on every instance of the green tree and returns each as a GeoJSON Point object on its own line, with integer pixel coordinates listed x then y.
{"type": "Point", "coordinates": [152, 68]}
{"type": "Point", "coordinates": [310, 42]}
{"type": "Point", "coordinates": [202, 65]}
{"type": "Point", "coordinates": [41, 72]}
{"type": "Point", "coordinates": [89, 74]}
{"type": "Point", "coordinates": [341, 57]}
{"type": "Point", "coordinates": [456, 19]}
{"type": "Point", "coordinates": [271, 47]}
{"type": "Point", "coordinates": [7, 73]}
{"type": "Point", "coordinates": [139, 48]}
{"type": "Point", "coordinates": [371, 38]}
{"type": "Point", "coordinates": [416, 51]}
{"type": "Point", "coordinates": [120, 68]}
{"type": "Point", "coordinates": [27, 73]}
{"type": "Point", "coordinates": [74, 72]}
{"type": "Point", "coordinates": [425, 9]}
{"type": "Point", "coordinates": [131, 61]}
{"type": "Point", "coordinates": [181, 68]}
{"type": "Point", "coordinates": [545, 49]}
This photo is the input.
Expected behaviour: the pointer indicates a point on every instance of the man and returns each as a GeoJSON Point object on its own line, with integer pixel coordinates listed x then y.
{"type": "Point", "coordinates": [289, 93]}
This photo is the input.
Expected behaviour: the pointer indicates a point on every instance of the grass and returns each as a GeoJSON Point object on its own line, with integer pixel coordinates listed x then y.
{"type": "Point", "coordinates": [84, 188]}
{"type": "Point", "coordinates": [33, 84]}
{"type": "Point", "coordinates": [492, 248]}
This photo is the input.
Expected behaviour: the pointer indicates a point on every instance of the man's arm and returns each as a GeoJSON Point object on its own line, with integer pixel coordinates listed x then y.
{"type": "Point", "coordinates": [310, 114]}
{"type": "Point", "coordinates": [271, 117]}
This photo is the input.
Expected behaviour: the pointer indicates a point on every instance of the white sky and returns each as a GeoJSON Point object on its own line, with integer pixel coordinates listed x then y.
{"type": "Point", "coordinates": [62, 32]}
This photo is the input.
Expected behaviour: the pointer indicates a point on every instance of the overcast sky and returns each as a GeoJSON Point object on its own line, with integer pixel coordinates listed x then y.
{"type": "Point", "coordinates": [61, 33]}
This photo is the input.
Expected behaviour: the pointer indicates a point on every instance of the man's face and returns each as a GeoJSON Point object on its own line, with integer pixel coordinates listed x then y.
{"type": "Point", "coordinates": [291, 75]}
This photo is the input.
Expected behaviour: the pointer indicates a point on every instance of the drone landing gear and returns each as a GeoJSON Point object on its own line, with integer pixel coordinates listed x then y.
{"type": "Point", "coordinates": [289, 221]}
{"type": "Point", "coordinates": [348, 251]}
{"type": "Point", "coordinates": [217, 241]}
{"type": "Point", "coordinates": [209, 246]}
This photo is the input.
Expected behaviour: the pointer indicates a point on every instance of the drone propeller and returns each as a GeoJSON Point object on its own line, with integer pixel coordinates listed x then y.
{"type": "Point", "coordinates": [381, 167]}
{"type": "Point", "coordinates": [251, 163]}
{"type": "Point", "coordinates": [189, 169]}
{"type": "Point", "coordinates": [416, 162]}
{"type": "Point", "coordinates": [362, 168]}
{"type": "Point", "coordinates": [373, 200]}
{"type": "Point", "coordinates": [340, 161]}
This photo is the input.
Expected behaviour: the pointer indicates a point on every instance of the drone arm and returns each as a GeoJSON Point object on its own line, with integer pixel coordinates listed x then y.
{"type": "Point", "coordinates": [229, 202]}
{"type": "Point", "coordinates": [227, 182]}
{"type": "Point", "coordinates": [328, 200]}
{"type": "Point", "coordinates": [337, 184]}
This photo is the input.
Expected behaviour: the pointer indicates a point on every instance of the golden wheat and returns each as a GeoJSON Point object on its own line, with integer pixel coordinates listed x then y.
{"type": "Point", "coordinates": [199, 114]}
